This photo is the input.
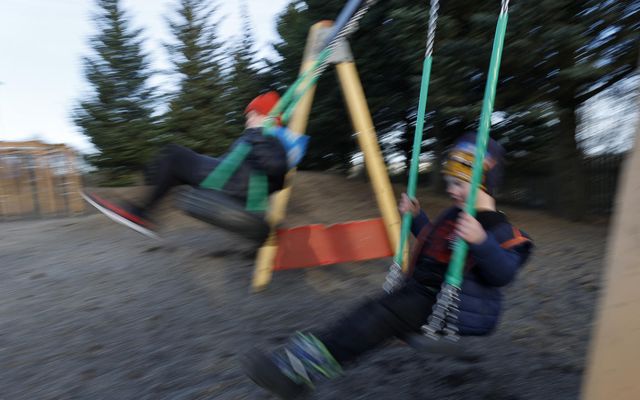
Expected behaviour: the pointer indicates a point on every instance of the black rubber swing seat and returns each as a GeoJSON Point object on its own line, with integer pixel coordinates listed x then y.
{"type": "Point", "coordinates": [223, 211]}
{"type": "Point", "coordinates": [458, 350]}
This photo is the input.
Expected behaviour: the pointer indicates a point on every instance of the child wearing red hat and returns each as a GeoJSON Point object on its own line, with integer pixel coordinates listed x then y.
{"type": "Point", "coordinates": [179, 165]}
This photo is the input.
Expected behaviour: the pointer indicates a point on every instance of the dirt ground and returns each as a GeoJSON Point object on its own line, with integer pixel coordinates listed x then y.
{"type": "Point", "coordinates": [92, 310]}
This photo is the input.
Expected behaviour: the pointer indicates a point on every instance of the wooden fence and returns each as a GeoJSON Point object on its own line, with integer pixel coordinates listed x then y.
{"type": "Point", "coordinates": [39, 179]}
{"type": "Point", "coordinates": [536, 189]}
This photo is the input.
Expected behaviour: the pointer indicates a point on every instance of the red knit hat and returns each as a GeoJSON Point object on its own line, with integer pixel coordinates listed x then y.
{"type": "Point", "coordinates": [263, 103]}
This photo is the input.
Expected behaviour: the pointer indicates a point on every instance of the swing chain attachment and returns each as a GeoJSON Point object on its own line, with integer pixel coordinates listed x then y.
{"type": "Point", "coordinates": [443, 321]}
{"type": "Point", "coordinates": [394, 279]}
{"type": "Point", "coordinates": [352, 25]}
{"type": "Point", "coordinates": [431, 31]}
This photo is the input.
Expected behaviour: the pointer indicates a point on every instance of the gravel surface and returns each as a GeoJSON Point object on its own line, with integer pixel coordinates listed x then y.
{"type": "Point", "coordinates": [92, 310]}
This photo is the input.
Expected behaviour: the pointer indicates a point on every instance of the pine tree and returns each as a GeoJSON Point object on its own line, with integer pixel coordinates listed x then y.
{"type": "Point", "coordinates": [197, 110]}
{"type": "Point", "coordinates": [564, 53]}
{"type": "Point", "coordinates": [117, 116]}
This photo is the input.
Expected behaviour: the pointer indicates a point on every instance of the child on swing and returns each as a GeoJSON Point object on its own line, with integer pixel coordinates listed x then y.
{"type": "Point", "coordinates": [179, 165]}
{"type": "Point", "coordinates": [497, 250]}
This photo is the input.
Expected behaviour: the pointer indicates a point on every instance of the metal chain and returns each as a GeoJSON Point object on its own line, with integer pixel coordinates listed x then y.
{"type": "Point", "coordinates": [433, 21]}
{"type": "Point", "coordinates": [505, 7]}
{"type": "Point", "coordinates": [349, 28]}
{"type": "Point", "coordinates": [443, 321]}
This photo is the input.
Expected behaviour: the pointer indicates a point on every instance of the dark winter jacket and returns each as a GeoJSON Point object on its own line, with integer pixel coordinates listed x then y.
{"type": "Point", "coordinates": [490, 265]}
{"type": "Point", "coordinates": [267, 155]}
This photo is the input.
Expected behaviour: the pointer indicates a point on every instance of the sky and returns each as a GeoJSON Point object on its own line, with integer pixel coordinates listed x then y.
{"type": "Point", "coordinates": [42, 43]}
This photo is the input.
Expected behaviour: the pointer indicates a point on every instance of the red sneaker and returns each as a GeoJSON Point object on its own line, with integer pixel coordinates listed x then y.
{"type": "Point", "coordinates": [122, 215]}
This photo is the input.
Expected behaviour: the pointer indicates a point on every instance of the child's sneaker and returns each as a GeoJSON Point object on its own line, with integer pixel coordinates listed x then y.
{"type": "Point", "coordinates": [291, 371]}
{"type": "Point", "coordinates": [126, 216]}
{"type": "Point", "coordinates": [265, 373]}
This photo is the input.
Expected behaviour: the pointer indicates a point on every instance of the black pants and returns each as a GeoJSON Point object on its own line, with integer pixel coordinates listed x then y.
{"type": "Point", "coordinates": [176, 165]}
{"type": "Point", "coordinates": [375, 322]}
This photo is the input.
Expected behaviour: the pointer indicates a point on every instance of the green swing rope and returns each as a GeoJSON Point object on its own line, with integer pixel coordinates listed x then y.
{"type": "Point", "coordinates": [258, 193]}
{"type": "Point", "coordinates": [395, 276]}
{"type": "Point", "coordinates": [442, 320]}
{"type": "Point", "coordinates": [309, 78]}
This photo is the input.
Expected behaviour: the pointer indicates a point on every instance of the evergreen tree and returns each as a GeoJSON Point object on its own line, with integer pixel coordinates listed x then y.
{"type": "Point", "coordinates": [117, 116]}
{"type": "Point", "coordinates": [557, 55]}
{"type": "Point", "coordinates": [562, 53]}
{"type": "Point", "coordinates": [197, 110]}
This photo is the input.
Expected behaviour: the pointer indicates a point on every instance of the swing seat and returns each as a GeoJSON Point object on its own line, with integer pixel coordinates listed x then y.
{"type": "Point", "coordinates": [223, 211]}
{"type": "Point", "coordinates": [443, 347]}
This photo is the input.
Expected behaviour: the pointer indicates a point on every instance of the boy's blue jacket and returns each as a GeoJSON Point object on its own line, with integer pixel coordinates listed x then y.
{"type": "Point", "coordinates": [490, 265]}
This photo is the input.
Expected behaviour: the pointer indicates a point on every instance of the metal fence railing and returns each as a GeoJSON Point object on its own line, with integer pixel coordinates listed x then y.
{"type": "Point", "coordinates": [538, 190]}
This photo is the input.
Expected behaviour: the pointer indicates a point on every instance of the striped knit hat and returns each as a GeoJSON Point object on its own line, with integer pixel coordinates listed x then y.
{"type": "Point", "coordinates": [459, 162]}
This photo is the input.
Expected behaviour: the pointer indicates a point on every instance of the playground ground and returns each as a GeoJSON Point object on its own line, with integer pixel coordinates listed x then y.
{"type": "Point", "coordinates": [91, 310]}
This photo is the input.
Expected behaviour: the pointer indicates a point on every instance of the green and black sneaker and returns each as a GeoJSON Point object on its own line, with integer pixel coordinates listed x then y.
{"type": "Point", "coordinates": [290, 372]}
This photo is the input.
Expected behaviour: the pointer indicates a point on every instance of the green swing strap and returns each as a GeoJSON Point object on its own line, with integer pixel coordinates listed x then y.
{"type": "Point", "coordinates": [442, 321]}
{"type": "Point", "coordinates": [346, 23]}
{"type": "Point", "coordinates": [395, 277]}
{"type": "Point", "coordinates": [258, 195]}
{"type": "Point", "coordinates": [407, 218]}
{"type": "Point", "coordinates": [456, 266]}
{"type": "Point", "coordinates": [309, 78]}
{"type": "Point", "coordinates": [221, 174]}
